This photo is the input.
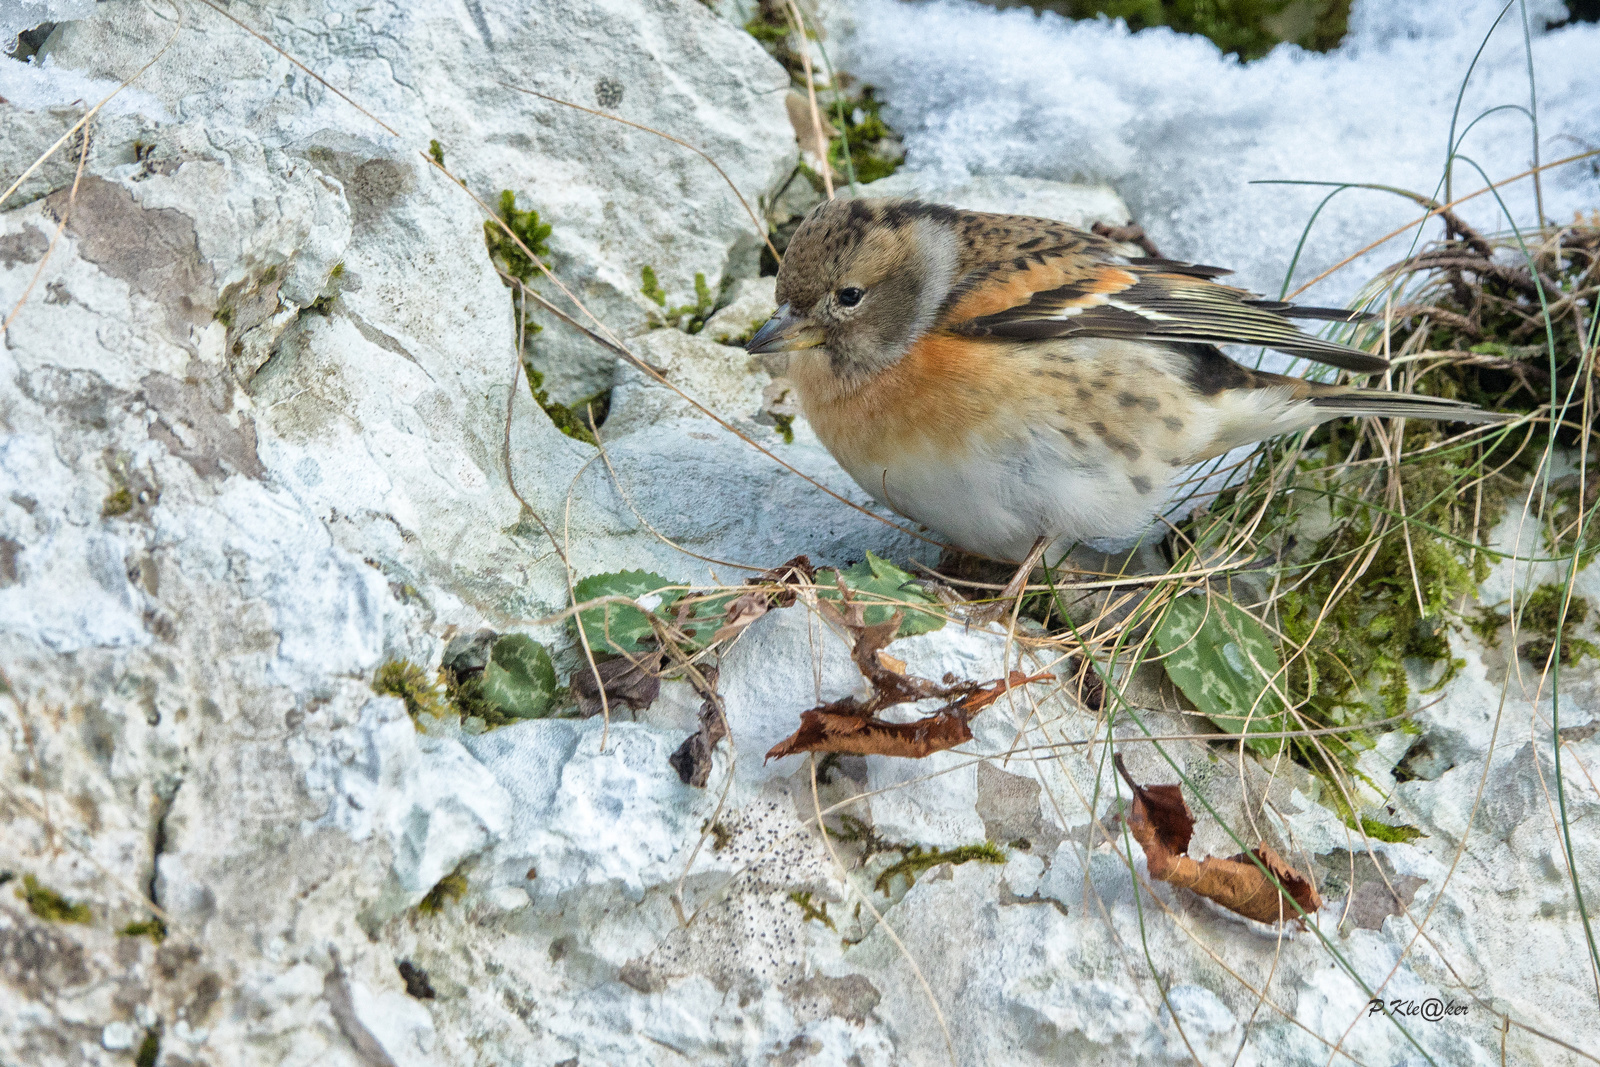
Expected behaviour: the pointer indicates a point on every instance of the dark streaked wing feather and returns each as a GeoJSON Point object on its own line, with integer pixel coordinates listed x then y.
{"type": "Point", "coordinates": [1074, 284]}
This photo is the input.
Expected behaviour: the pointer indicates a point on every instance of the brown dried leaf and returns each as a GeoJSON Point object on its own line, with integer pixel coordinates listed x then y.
{"type": "Point", "coordinates": [1160, 821]}
{"type": "Point", "coordinates": [633, 683]}
{"type": "Point", "coordinates": [797, 571]}
{"type": "Point", "coordinates": [741, 612]}
{"type": "Point", "coordinates": [830, 731]}
{"type": "Point", "coordinates": [692, 760]}
{"type": "Point", "coordinates": [851, 726]}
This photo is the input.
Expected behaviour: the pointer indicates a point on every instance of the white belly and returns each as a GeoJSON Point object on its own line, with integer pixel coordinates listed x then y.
{"type": "Point", "coordinates": [999, 500]}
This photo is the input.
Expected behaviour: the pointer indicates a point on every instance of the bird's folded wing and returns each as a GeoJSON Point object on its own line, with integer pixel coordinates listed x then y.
{"type": "Point", "coordinates": [1080, 288]}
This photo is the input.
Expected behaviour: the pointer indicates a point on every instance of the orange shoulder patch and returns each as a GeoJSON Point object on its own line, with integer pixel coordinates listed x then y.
{"type": "Point", "coordinates": [1083, 282]}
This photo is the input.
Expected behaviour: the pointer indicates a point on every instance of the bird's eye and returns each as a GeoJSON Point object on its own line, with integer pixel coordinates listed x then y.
{"type": "Point", "coordinates": [850, 296]}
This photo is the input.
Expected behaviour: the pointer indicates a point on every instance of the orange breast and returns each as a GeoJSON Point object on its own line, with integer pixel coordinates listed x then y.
{"type": "Point", "coordinates": [944, 392]}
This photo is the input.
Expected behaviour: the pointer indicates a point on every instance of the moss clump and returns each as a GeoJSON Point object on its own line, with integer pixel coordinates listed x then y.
{"type": "Point", "coordinates": [1381, 831]}
{"type": "Point", "coordinates": [49, 905]}
{"type": "Point", "coordinates": [506, 254]}
{"type": "Point", "coordinates": [437, 152]}
{"type": "Point", "coordinates": [915, 859]}
{"type": "Point", "coordinates": [785, 427]}
{"type": "Point", "coordinates": [154, 929]}
{"type": "Point", "coordinates": [570, 419]}
{"type": "Point", "coordinates": [1543, 611]}
{"type": "Point", "coordinates": [224, 315]}
{"type": "Point", "coordinates": [1542, 617]}
{"type": "Point", "coordinates": [451, 888]}
{"type": "Point", "coordinates": [1246, 28]}
{"type": "Point", "coordinates": [810, 911]}
{"type": "Point", "coordinates": [868, 149]}
{"type": "Point", "coordinates": [690, 318]}
{"type": "Point", "coordinates": [117, 503]}
{"type": "Point", "coordinates": [404, 679]}
{"type": "Point", "coordinates": [721, 836]}
{"type": "Point", "coordinates": [149, 1049]}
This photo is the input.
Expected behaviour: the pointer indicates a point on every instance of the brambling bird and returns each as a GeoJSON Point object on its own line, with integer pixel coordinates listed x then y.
{"type": "Point", "coordinates": [1012, 382]}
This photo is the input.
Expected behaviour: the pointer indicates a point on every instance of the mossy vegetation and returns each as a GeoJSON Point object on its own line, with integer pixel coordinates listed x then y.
{"type": "Point", "coordinates": [149, 1049]}
{"type": "Point", "coordinates": [1548, 616]}
{"type": "Point", "coordinates": [449, 890]}
{"type": "Point", "coordinates": [690, 318]}
{"type": "Point", "coordinates": [411, 683]}
{"type": "Point", "coordinates": [571, 419]}
{"type": "Point", "coordinates": [507, 255]}
{"type": "Point", "coordinates": [1381, 831]}
{"type": "Point", "coordinates": [118, 502]}
{"type": "Point", "coordinates": [49, 905]}
{"type": "Point", "coordinates": [517, 270]}
{"type": "Point", "coordinates": [867, 148]}
{"type": "Point", "coordinates": [862, 147]}
{"type": "Point", "coordinates": [915, 860]}
{"type": "Point", "coordinates": [812, 912]}
{"type": "Point", "coordinates": [1378, 534]}
{"type": "Point", "coordinates": [153, 928]}
{"type": "Point", "coordinates": [1246, 28]}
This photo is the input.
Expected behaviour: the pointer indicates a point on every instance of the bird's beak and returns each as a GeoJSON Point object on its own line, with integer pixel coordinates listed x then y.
{"type": "Point", "coordinates": [785, 332]}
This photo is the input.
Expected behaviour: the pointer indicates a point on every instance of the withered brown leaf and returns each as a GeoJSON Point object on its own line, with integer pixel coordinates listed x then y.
{"type": "Point", "coordinates": [692, 760]}
{"type": "Point", "coordinates": [1160, 821]}
{"type": "Point", "coordinates": [851, 725]}
{"type": "Point", "coordinates": [830, 731]}
{"type": "Point", "coordinates": [631, 682]}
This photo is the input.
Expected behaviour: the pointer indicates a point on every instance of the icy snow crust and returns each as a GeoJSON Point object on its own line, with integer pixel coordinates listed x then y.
{"type": "Point", "coordinates": [1180, 130]}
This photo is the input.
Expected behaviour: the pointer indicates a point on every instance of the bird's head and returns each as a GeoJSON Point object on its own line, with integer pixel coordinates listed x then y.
{"type": "Point", "coordinates": [862, 280]}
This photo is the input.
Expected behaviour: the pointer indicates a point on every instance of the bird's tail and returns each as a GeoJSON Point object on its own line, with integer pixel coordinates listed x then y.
{"type": "Point", "coordinates": [1335, 401]}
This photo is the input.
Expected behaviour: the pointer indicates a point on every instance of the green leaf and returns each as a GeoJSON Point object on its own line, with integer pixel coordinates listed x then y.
{"type": "Point", "coordinates": [519, 680]}
{"type": "Point", "coordinates": [880, 580]}
{"type": "Point", "coordinates": [1223, 660]}
{"type": "Point", "coordinates": [618, 627]}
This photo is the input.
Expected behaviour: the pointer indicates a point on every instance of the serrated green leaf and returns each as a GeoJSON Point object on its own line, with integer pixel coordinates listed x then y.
{"type": "Point", "coordinates": [618, 627]}
{"type": "Point", "coordinates": [1224, 660]}
{"type": "Point", "coordinates": [879, 580]}
{"type": "Point", "coordinates": [519, 680]}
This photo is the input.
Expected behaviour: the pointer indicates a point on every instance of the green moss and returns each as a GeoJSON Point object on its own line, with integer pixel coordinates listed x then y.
{"type": "Point", "coordinates": [153, 928]}
{"type": "Point", "coordinates": [690, 318]}
{"type": "Point", "coordinates": [337, 272]}
{"type": "Point", "coordinates": [117, 503]}
{"type": "Point", "coordinates": [768, 33]}
{"type": "Point", "coordinates": [149, 1049]}
{"type": "Point", "coordinates": [721, 836]}
{"type": "Point", "coordinates": [404, 679]}
{"type": "Point", "coordinates": [810, 911]}
{"type": "Point", "coordinates": [573, 419]}
{"type": "Point", "coordinates": [503, 251]}
{"type": "Point", "coordinates": [652, 287]}
{"type": "Point", "coordinates": [224, 315]}
{"type": "Point", "coordinates": [1380, 831]}
{"type": "Point", "coordinates": [1247, 28]}
{"type": "Point", "coordinates": [1542, 617]}
{"type": "Point", "coordinates": [873, 148]}
{"type": "Point", "coordinates": [49, 905]}
{"type": "Point", "coordinates": [451, 888]}
{"type": "Point", "coordinates": [1573, 650]}
{"type": "Point", "coordinates": [436, 151]}
{"type": "Point", "coordinates": [858, 833]}
{"type": "Point", "coordinates": [916, 859]}
{"type": "Point", "coordinates": [785, 427]}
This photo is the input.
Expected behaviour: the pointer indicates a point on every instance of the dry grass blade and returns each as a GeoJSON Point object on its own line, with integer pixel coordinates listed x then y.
{"type": "Point", "coordinates": [797, 21]}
